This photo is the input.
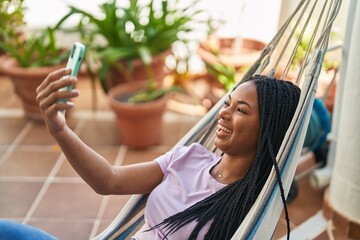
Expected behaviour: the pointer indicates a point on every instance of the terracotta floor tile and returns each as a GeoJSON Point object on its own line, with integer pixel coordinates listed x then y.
{"type": "Point", "coordinates": [177, 125]}
{"type": "Point", "coordinates": [64, 230]}
{"type": "Point", "coordinates": [10, 128]}
{"type": "Point", "coordinates": [38, 135]}
{"type": "Point", "coordinates": [108, 152]}
{"type": "Point", "coordinates": [338, 235]}
{"type": "Point", "coordinates": [306, 204]}
{"type": "Point", "coordinates": [5, 83]}
{"type": "Point", "coordinates": [17, 198]}
{"type": "Point", "coordinates": [100, 132]}
{"type": "Point", "coordinates": [335, 235]}
{"type": "Point", "coordinates": [13, 102]}
{"type": "Point", "coordinates": [322, 236]}
{"type": "Point", "coordinates": [85, 100]}
{"type": "Point", "coordinates": [104, 223]}
{"type": "Point", "coordinates": [307, 161]}
{"type": "Point", "coordinates": [6, 90]}
{"type": "Point", "coordinates": [114, 205]}
{"type": "Point", "coordinates": [29, 163]}
{"type": "Point", "coordinates": [145, 155]}
{"type": "Point", "coordinates": [69, 200]}
{"type": "Point", "coordinates": [170, 134]}
{"type": "Point", "coordinates": [72, 123]}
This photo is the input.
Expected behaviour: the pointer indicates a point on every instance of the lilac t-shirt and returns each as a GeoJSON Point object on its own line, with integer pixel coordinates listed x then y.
{"type": "Point", "coordinates": [186, 181]}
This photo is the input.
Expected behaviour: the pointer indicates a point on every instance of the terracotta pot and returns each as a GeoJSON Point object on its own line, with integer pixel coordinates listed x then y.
{"type": "Point", "coordinates": [227, 51]}
{"type": "Point", "coordinates": [3, 58]}
{"type": "Point", "coordinates": [330, 99]}
{"type": "Point", "coordinates": [25, 81]}
{"type": "Point", "coordinates": [139, 124]}
{"type": "Point", "coordinates": [138, 72]}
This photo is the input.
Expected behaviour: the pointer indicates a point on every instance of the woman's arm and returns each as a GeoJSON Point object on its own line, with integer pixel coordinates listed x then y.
{"type": "Point", "coordinates": [92, 167]}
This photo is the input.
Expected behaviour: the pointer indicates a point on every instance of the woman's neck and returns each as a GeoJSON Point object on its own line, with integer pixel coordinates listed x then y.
{"type": "Point", "coordinates": [231, 169]}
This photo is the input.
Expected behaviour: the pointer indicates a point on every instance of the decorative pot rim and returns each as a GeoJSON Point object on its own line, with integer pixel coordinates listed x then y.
{"type": "Point", "coordinates": [11, 67]}
{"type": "Point", "coordinates": [128, 88]}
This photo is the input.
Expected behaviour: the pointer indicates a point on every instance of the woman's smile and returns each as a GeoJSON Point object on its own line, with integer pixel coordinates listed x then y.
{"type": "Point", "coordinates": [222, 129]}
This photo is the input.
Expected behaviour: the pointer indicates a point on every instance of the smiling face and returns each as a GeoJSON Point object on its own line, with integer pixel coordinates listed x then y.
{"type": "Point", "coordinates": [238, 124]}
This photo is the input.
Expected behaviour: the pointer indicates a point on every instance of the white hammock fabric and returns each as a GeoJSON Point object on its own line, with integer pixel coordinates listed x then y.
{"type": "Point", "coordinates": [262, 218]}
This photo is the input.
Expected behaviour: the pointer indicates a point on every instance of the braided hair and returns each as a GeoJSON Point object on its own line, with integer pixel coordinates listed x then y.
{"type": "Point", "coordinates": [227, 208]}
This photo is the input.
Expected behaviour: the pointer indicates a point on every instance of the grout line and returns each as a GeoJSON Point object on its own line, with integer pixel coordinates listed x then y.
{"type": "Point", "coordinates": [50, 179]}
{"type": "Point", "coordinates": [118, 161]}
{"type": "Point", "coordinates": [121, 155]}
{"type": "Point", "coordinates": [59, 220]}
{"type": "Point", "coordinates": [16, 142]}
{"type": "Point", "coordinates": [41, 179]}
{"type": "Point", "coordinates": [44, 188]}
{"type": "Point", "coordinates": [16, 219]}
{"type": "Point", "coordinates": [100, 214]}
{"type": "Point", "coordinates": [92, 115]}
{"type": "Point", "coordinates": [11, 113]}
{"type": "Point", "coordinates": [42, 148]}
{"type": "Point", "coordinates": [22, 179]}
{"type": "Point", "coordinates": [169, 116]}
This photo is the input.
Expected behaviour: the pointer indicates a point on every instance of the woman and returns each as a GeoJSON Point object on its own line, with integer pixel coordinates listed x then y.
{"type": "Point", "coordinates": [194, 194]}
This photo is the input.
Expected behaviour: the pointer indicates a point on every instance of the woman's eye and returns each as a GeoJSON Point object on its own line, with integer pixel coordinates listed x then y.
{"type": "Point", "coordinates": [241, 110]}
{"type": "Point", "coordinates": [226, 103]}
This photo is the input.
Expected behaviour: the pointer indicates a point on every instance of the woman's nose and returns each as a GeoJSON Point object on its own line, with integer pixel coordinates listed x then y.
{"type": "Point", "coordinates": [224, 114]}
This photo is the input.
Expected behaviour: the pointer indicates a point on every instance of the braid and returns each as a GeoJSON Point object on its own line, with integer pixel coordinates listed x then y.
{"type": "Point", "coordinates": [227, 208]}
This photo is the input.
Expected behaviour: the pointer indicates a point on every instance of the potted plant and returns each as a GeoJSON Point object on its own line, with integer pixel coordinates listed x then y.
{"type": "Point", "coordinates": [234, 51]}
{"type": "Point", "coordinates": [130, 43]}
{"type": "Point", "coordinates": [12, 19]}
{"type": "Point", "coordinates": [31, 59]}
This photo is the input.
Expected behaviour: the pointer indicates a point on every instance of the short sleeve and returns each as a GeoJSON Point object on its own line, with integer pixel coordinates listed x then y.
{"type": "Point", "coordinates": [164, 160]}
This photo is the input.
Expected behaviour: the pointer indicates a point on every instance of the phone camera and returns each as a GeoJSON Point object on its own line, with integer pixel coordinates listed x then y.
{"type": "Point", "coordinates": [73, 51]}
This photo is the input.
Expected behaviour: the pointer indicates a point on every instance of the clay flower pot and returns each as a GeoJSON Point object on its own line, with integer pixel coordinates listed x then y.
{"type": "Point", "coordinates": [137, 71]}
{"type": "Point", "coordinates": [140, 123]}
{"type": "Point", "coordinates": [231, 51]}
{"type": "Point", "coordinates": [3, 58]}
{"type": "Point", "coordinates": [25, 82]}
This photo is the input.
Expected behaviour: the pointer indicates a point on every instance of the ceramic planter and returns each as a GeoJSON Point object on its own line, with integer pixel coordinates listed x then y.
{"type": "Point", "coordinates": [139, 124]}
{"type": "Point", "coordinates": [230, 51]}
{"type": "Point", "coordinates": [138, 71]}
{"type": "Point", "coordinates": [25, 82]}
{"type": "Point", "coordinates": [3, 58]}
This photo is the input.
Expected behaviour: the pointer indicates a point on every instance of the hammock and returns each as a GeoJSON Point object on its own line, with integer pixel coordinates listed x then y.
{"type": "Point", "coordinates": [262, 218]}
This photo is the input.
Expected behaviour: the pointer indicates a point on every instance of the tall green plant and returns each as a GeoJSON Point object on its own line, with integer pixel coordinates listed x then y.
{"type": "Point", "coordinates": [135, 31]}
{"type": "Point", "coordinates": [11, 19]}
{"type": "Point", "coordinates": [29, 50]}
{"type": "Point", "coordinates": [225, 74]}
{"type": "Point", "coordinates": [35, 50]}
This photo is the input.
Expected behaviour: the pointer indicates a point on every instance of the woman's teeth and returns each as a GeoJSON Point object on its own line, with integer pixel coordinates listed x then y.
{"type": "Point", "coordinates": [222, 128]}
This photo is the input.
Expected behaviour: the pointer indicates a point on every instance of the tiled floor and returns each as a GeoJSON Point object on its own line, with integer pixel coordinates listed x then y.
{"type": "Point", "coordinates": [39, 187]}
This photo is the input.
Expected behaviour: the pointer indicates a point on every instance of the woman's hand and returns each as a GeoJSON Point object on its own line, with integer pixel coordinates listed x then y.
{"type": "Point", "coordinates": [49, 99]}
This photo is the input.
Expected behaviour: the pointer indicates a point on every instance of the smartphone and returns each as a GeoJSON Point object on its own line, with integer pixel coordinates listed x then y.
{"type": "Point", "coordinates": [74, 61]}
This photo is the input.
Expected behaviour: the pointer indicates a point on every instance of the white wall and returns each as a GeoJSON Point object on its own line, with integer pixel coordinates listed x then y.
{"type": "Point", "coordinates": [42, 13]}
{"type": "Point", "coordinates": [250, 18]}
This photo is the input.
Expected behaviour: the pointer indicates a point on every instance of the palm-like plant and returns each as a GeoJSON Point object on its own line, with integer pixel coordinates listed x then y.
{"type": "Point", "coordinates": [29, 50]}
{"type": "Point", "coordinates": [36, 50]}
{"type": "Point", "coordinates": [12, 18]}
{"type": "Point", "coordinates": [136, 31]}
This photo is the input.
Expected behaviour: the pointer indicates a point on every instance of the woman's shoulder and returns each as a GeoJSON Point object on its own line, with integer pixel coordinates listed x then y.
{"type": "Point", "coordinates": [194, 149]}
{"type": "Point", "coordinates": [181, 156]}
